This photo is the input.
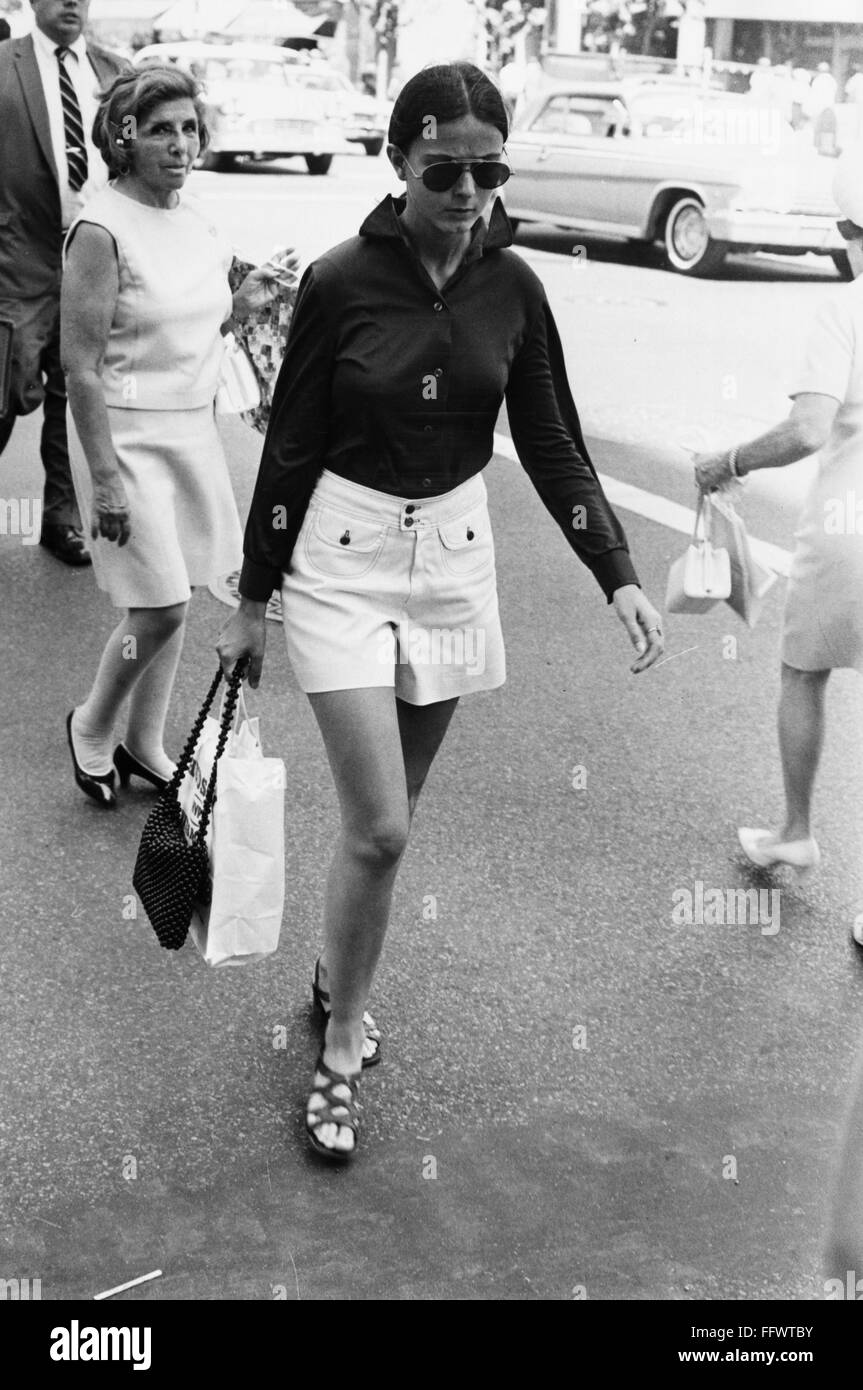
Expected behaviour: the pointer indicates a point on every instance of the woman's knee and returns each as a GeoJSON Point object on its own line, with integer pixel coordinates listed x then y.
{"type": "Point", "coordinates": [160, 622]}
{"type": "Point", "coordinates": [380, 841]}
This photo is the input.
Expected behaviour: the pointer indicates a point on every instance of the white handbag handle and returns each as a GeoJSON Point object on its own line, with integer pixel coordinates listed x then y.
{"type": "Point", "coordinates": [702, 518]}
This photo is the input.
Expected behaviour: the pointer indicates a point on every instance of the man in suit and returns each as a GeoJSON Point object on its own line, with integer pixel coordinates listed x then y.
{"type": "Point", "coordinates": [49, 167]}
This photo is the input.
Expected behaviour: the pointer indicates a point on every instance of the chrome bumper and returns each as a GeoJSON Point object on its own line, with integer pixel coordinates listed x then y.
{"type": "Point", "coordinates": [776, 229]}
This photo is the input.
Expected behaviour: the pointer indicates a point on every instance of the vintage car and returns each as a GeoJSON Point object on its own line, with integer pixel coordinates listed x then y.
{"type": "Point", "coordinates": [253, 110]}
{"type": "Point", "coordinates": [363, 119]}
{"type": "Point", "coordinates": [700, 172]}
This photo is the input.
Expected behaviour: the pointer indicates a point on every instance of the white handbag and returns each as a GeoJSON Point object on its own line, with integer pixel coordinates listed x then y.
{"type": "Point", "coordinates": [701, 577]}
{"type": "Point", "coordinates": [238, 388]}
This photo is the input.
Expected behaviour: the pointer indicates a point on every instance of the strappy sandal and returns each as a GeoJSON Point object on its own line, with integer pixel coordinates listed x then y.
{"type": "Point", "coordinates": [372, 1043]}
{"type": "Point", "coordinates": [336, 1110]}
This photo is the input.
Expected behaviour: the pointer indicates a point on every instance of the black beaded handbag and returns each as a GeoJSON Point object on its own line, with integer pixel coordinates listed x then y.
{"type": "Point", "coordinates": [172, 874]}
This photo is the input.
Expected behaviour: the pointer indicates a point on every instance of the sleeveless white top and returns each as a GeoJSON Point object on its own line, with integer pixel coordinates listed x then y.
{"type": "Point", "coordinates": [164, 349]}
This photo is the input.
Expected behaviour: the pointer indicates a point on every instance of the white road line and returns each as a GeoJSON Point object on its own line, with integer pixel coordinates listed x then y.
{"type": "Point", "coordinates": [660, 509]}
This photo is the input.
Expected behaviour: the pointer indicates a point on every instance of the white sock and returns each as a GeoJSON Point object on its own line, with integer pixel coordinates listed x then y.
{"type": "Point", "coordinates": [158, 762]}
{"type": "Point", "coordinates": [92, 751]}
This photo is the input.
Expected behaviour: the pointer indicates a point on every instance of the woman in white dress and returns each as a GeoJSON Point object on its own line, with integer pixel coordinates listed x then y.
{"type": "Point", "coordinates": [145, 294]}
{"type": "Point", "coordinates": [823, 623]}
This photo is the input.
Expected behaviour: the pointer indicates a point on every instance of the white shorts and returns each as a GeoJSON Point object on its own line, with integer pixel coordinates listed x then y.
{"type": "Point", "coordinates": [387, 591]}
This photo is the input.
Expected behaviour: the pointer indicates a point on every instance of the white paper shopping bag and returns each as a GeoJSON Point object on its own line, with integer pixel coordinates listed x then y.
{"type": "Point", "coordinates": [245, 844]}
{"type": "Point", "coordinates": [750, 580]}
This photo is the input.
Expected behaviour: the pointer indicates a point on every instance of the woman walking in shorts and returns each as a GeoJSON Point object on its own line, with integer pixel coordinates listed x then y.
{"type": "Point", "coordinates": [370, 512]}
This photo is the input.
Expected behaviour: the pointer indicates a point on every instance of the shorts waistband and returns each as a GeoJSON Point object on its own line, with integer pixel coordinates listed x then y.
{"type": "Point", "coordinates": [403, 513]}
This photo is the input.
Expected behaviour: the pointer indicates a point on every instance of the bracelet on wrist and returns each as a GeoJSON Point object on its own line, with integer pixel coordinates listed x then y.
{"type": "Point", "coordinates": [732, 464]}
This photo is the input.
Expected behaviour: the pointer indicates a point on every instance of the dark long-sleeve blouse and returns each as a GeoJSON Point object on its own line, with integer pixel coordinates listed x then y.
{"type": "Point", "coordinates": [394, 384]}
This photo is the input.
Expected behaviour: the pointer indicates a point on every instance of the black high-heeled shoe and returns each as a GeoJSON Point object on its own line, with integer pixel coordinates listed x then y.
{"type": "Point", "coordinates": [101, 788]}
{"type": "Point", "coordinates": [128, 766]}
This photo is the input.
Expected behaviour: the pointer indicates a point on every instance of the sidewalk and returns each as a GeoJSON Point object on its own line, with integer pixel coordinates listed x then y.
{"type": "Point", "coordinates": [150, 1120]}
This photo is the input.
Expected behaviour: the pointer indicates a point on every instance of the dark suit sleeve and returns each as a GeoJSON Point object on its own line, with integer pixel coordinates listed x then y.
{"type": "Point", "coordinates": [547, 435]}
{"type": "Point", "coordinates": [294, 446]}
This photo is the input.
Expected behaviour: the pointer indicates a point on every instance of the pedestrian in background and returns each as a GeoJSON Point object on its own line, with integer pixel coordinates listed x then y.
{"type": "Point", "coordinates": [145, 294]}
{"type": "Point", "coordinates": [854, 95]}
{"type": "Point", "coordinates": [761, 81]}
{"type": "Point", "coordinates": [823, 622]}
{"type": "Point", "coordinates": [370, 512]}
{"type": "Point", "coordinates": [802, 79]}
{"type": "Point", "coordinates": [822, 93]}
{"type": "Point", "coordinates": [49, 166]}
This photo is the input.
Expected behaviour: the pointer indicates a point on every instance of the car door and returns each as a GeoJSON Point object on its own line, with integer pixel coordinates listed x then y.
{"type": "Point", "coordinates": [564, 160]}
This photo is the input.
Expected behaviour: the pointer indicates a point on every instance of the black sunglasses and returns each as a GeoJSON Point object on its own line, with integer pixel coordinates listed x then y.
{"type": "Point", "coordinates": [438, 178]}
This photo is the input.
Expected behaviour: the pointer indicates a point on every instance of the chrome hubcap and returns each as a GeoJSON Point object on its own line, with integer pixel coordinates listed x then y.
{"type": "Point", "coordinates": [689, 235]}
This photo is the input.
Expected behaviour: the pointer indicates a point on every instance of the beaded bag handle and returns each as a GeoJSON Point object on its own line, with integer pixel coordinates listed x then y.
{"type": "Point", "coordinates": [235, 681]}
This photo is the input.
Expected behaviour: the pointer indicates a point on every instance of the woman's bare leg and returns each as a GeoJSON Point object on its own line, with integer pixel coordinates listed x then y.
{"type": "Point", "coordinates": [801, 737]}
{"type": "Point", "coordinates": [369, 743]}
{"type": "Point", "coordinates": [422, 729]}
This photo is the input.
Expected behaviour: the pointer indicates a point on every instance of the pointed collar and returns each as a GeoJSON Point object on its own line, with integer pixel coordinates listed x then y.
{"type": "Point", "coordinates": [383, 221]}
{"type": "Point", "coordinates": [49, 48]}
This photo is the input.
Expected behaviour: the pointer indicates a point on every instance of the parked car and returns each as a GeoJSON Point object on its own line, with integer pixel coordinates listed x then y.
{"type": "Point", "coordinates": [700, 172]}
{"type": "Point", "coordinates": [363, 119]}
{"type": "Point", "coordinates": [253, 110]}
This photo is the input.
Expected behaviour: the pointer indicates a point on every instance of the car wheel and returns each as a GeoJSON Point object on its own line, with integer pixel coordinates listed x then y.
{"type": "Point", "coordinates": [318, 163]}
{"type": "Point", "coordinates": [842, 264]}
{"type": "Point", "coordinates": [217, 162]}
{"type": "Point", "coordinates": [373, 147]}
{"type": "Point", "coordinates": [689, 247]}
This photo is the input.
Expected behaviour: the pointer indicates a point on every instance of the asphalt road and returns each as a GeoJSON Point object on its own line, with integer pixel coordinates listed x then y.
{"type": "Point", "coordinates": [579, 1095]}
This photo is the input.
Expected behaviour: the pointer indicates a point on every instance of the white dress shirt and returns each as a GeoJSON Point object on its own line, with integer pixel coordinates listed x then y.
{"type": "Point", "coordinates": [86, 84]}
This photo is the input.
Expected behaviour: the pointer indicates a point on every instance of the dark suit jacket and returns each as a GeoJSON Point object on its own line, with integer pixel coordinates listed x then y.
{"type": "Point", "coordinates": [30, 231]}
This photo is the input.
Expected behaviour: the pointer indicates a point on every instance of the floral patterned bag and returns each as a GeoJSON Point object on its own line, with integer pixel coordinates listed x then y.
{"type": "Point", "coordinates": [263, 337]}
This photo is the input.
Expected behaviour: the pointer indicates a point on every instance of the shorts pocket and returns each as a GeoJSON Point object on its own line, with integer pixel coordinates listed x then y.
{"type": "Point", "coordinates": [467, 544]}
{"type": "Point", "coordinates": [340, 545]}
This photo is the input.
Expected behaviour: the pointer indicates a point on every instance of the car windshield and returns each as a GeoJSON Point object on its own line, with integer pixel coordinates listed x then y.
{"type": "Point", "coordinates": [707, 120]}
{"type": "Point", "coordinates": [243, 70]}
{"type": "Point", "coordinates": [319, 81]}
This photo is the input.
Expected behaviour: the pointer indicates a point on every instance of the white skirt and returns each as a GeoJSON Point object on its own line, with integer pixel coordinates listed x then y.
{"type": "Point", "coordinates": [185, 529]}
{"type": "Point", "coordinates": [823, 621]}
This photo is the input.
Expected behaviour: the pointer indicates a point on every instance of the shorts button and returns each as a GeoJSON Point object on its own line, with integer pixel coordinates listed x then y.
{"type": "Point", "coordinates": [409, 521]}
{"type": "Point", "coordinates": [437, 306]}
{"type": "Point", "coordinates": [426, 482]}
{"type": "Point", "coordinates": [410, 508]}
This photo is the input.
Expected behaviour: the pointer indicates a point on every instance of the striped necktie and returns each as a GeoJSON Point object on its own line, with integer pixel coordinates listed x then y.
{"type": "Point", "coordinates": [73, 126]}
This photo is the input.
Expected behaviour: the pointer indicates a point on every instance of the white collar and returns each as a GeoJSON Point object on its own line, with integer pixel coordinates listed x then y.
{"type": "Point", "coordinates": [49, 48]}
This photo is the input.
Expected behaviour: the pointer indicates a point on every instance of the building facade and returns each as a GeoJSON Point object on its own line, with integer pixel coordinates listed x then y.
{"type": "Point", "coordinates": [803, 32]}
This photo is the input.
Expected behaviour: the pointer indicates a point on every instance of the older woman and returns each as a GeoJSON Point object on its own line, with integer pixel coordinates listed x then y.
{"type": "Point", "coordinates": [145, 293]}
{"type": "Point", "coordinates": [403, 343]}
{"type": "Point", "coordinates": [823, 625]}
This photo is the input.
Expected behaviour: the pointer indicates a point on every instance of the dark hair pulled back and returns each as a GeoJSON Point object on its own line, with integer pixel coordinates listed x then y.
{"type": "Point", "coordinates": [446, 92]}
